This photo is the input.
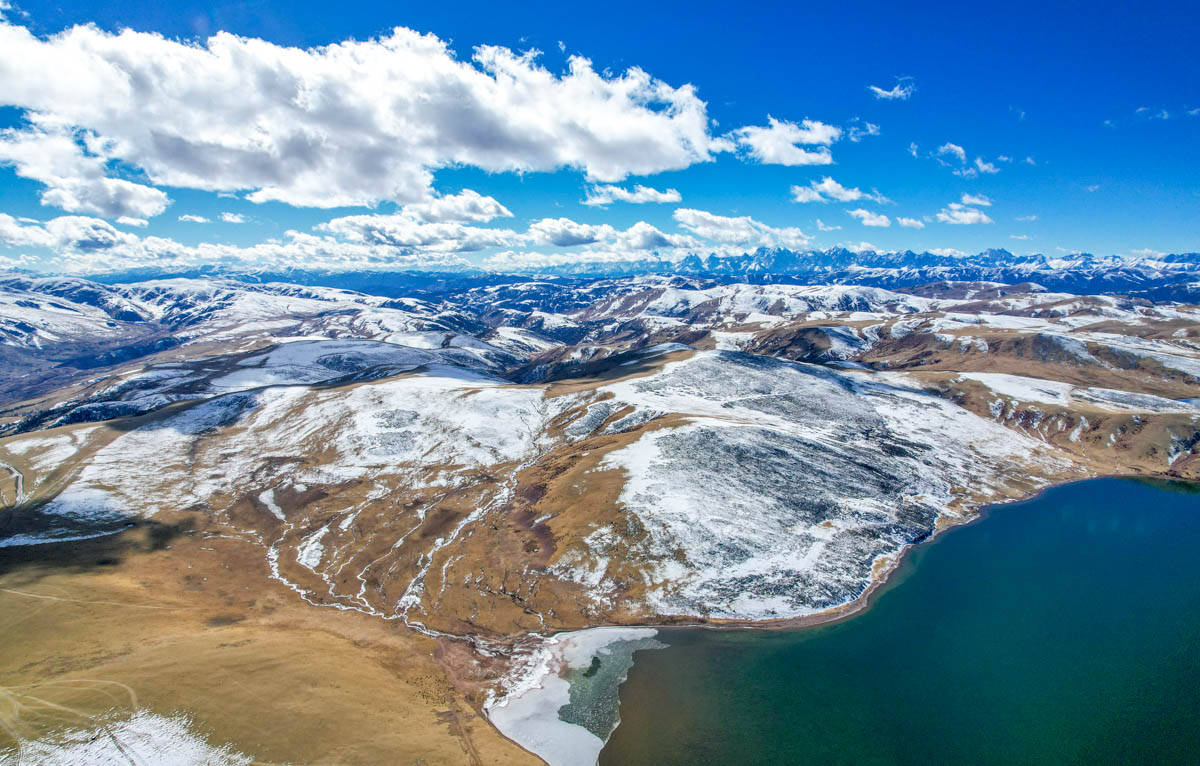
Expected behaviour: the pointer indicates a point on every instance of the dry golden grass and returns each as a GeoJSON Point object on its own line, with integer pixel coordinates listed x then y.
{"type": "Point", "coordinates": [198, 627]}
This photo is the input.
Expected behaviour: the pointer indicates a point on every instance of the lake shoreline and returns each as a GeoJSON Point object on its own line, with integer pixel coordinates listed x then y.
{"type": "Point", "coordinates": [883, 580]}
{"type": "Point", "coordinates": [999, 637]}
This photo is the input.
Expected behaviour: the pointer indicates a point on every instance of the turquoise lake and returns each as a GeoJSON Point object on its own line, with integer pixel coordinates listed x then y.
{"type": "Point", "coordinates": [1061, 630]}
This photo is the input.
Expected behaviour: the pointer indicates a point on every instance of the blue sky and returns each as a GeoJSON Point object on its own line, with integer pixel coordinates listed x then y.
{"type": "Point", "coordinates": [1034, 127]}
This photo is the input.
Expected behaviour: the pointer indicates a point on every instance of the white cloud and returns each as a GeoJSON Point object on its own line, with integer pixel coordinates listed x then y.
{"type": "Point", "coordinates": [71, 233]}
{"type": "Point", "coordinates": [466, 206]}
{"type": "Point", "coordinates": [954, 156]}
{"type": "Point", "coordinates": [347, 124]}
{"type": "Point", "coordinates": [870, 219]}
{"type": "Point", "coordinates": [81, 244]}
{"type": "Point", "coordinates": [126, 220]}
{"type": "Point", "coordinates": [412, 236]}
{"type": "Point", "coordinates": [827, 190]}
{"type": "Point", "coordinates": [233, 218]}
{"type": "Point", "coordinates": [911, 223]}
{"type": "Point", "coordinates": [901, 91]}
{"type": "Point", "coordinates": [822, 226]}
{"type": "Point", "coordinates": [957, 213]}
{"type": "Point", "coordinates": [528, 259]}
{"type": "Point", "coordinates": [644, 237]}
{"type": "Point", "coordinates": [985, 167]}
{"type": "Point", "coordinates": [563, 232]}
{"type": "Point", "coordinates": [75, 179]}
{"type": "Point", "coordinates": [1152, 114]}
{"type": "Point", "coordinates": [189, 218]}
{"type": "Point", "coordinates": [1026, 218]}
{"type": "Point", "coordinates": [1147, 252]}
{"type": "Point", "coordinates": [859, 130]}
{"type": "Point", "coordinates": [1018, 236]}
{"type": "Point", "coordinates": [952, 150]}
{"type": "Point", "coordinates": [641, 241]}
{"type": "Point", "coordinates": [779, 142]}
{"type": "Point", "coordinates": [952, 252]}
{"type": "Point", "coordinates": [740, 230]}
{"type": "Point", "coordinates": [1029, 161]}
{"type": "Point", "coordinates": [913, 148]}
{"type": "Point", "coordinates": [604, 195]}
{"type": "Point", "coordinates": [976, 199]}
{"type": "Point", "coordinates": [860, 247]}
{"type": "Point", "coordinates": [1093, 188]}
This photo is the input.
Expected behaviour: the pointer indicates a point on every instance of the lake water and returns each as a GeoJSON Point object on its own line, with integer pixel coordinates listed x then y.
{"type": "Point", "coordinates": [1065, 629]}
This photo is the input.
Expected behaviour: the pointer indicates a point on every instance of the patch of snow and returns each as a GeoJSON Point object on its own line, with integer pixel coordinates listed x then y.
{"type": "Point", "coordinates": [1022, 388]}
{"type": "Point", "coordinates": [144, 738]}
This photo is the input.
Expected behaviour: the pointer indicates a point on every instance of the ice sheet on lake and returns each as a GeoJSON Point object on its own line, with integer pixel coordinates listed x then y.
{"type": "Point", "coordinates": [538, 690]}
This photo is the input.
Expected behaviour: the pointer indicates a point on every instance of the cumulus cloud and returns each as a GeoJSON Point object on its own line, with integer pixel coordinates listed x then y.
{"type": "Point", "coordinates": [743, 231]}
{"type": "Point", "coordinates": [827, 190]}
{"type": "Point", "coordinates": [189, 218]}
{"type": "Point", "coordinates": [976, 199]}
{"type": "Point", "coordinates": [901, 91]}
{"type": "Point", "coordinates": [605, 195]}
{"type": "Point", "coordinates": [563, 232]}
{"type": "Point", "coordinates": [643, 237]}
{"type": "Point", "coordinates": [410, 235]}
{"type": "Point", "coordinates": [353, 123]}
{"type": "Point", "coordinates": [911, 223]}
{"type": "Point", "coordinates": [779, 142]}
{"type": "Point", "coordinates": [1027, 218]}
{"type": "Point", "coordinates": [868, 218]}
{"type": "Point", "coordinates": [466, 206]}
{"type": "Point", "coordinates": [75, 179]}
{"type": "Point", "coordinates": [126, 220]}
{"type": "Point", "coordinates": [958, 213]}
{"type": "Point", "coordinates": [822, 226]}
{"type": "Point", "coordinates": [233, 218]}
{"type": "Point", "coordinates": [83, 244]}
{"type": "Point", "coordinates": [641, 241]}
{"type": "Point", "coordinates": [68, 233]}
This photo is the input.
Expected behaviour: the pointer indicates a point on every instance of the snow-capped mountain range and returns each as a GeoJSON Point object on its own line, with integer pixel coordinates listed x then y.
{"type": "Point", "coordinates": [1159, 276]}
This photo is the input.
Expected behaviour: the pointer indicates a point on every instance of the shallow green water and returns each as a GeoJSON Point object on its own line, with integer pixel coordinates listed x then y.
{"type": "Point", "coordinates": [1065, 629]}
